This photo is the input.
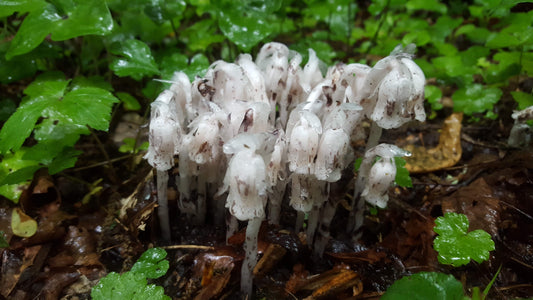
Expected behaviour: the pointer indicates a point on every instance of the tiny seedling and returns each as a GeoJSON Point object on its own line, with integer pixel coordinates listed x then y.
{"type": "Point", "coordinates": [133, 284]}
{"type": "Point", "coordinates": [455, 245]}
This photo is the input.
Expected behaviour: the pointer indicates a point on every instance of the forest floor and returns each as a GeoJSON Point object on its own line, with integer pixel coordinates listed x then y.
{"type": "Point", "coordinates": [84, 233]}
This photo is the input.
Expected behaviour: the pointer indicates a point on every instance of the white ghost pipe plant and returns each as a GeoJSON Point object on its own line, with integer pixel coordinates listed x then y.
{"type": "Point", "coordinates": [165, 133]}
{"type": "Point", "coordinates": [302, 150]}
{"type": "Point", "coordinates": [393, 95]}
{"type": "Point", "coordinates": [246, 180]}
{"type": "Point", "coordinates": [374, 180]}
{"type": "Point", "coordinates": [520, 134]}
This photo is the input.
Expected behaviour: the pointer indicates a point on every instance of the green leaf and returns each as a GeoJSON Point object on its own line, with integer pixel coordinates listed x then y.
{"type": "Point", "coordinates": [7, 8]}
{"type": "Point", "coordinates": [161, 11]}
{"type": "Point", "coordinates": [443, 28]}
{"type": "Point", "coordinates": [135, 60]}
{"type": "Point", "coordinates": [152, 263]}
{"type": "Point", "coordinates": [524, 100]}
{"type": "Point", "coordinates": [425, 285]}
{"type": "Point", "coordinates": [457, 247]}
{"type": "Point", "coordinates": [247, 23]}
{"type": "Point", "coordinates": [125, 287]}
{"type": "Point", "coordinates": [475, 98]}
{"type": "Point", "coordinates": [433, 95]}
{"type": "Point", "coordinates": [13, 173]}
{"type": "Point", "coordinates": [402, 174]}
{"type": "Point", "coordinates": [519, 32]}
{"type": "Point", "coordinates": [197, 66]}
{"type": "Point", "coordinates": [201, 35]}
{"type": "Point", "coordinates": [428, 5]}
{"type": "Point", "coordinates": [67, 20]}
{"type": "Point", "coordinates": [133, 284]}
{"type": "Point", "coordinates": [129, 102]}
{"type": "Point", "coordinates": [474, 34]}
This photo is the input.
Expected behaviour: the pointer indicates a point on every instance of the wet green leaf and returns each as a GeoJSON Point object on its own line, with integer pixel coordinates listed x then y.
{"type": "Point", "coordinates": [402, 174]}
{"type": "Point", "coordinates": [67, 20]}
{"type": "Point", "coordinates": [475, 98]}
{"type": "Point", "coordinates": [433, 95]}
{"type": "Point", "coordinates": [196, 66]}
{"type": "Point", "coordinates": [7, 8]}
{"type": "Point", "coordinates": [428, 5]}
{"type": "Point", "coordinates": [133, 284]}
{"type": "Point", "coordinates": [455, 245]}
{"type": "Point", "coordinates": [425, 285]}
{"type": "Point", "coordinates": [247, 23]}
{"type": "Point", "coordinates": [524, 100]}
{"type": "Point", "coordinates": [129, 102]}
{"type": "Point", "coordinates": [201, 35]}
{"type": "Point", "coordinates": [152, 263]}
{"type": "Point", "coordinates": [134, 59]}
{"type": "Point", "coordinates": [161, 11]}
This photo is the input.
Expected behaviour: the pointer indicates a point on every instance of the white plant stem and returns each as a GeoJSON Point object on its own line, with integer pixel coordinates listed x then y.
{"type": "Point", "coordinates": [355, 221]}
{"type": "Point", "coordinates": [162, 210]}
{"type": "Point", "coordinates": [250, 259]}
{"type": "Point", "coordinates": [326, 216]}
{"type": "Point", "coordinates": [312, 222]}
{"type": "Point", "coordinates": [201, 202]}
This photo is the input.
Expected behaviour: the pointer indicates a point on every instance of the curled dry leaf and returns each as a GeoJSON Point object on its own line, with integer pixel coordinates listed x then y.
{"type": "Point", "coordinates": [215, 271]}
{"type": "Point", "coordinates": [325, 285]}
{"type": "Point", "coordinates": [446, 154]}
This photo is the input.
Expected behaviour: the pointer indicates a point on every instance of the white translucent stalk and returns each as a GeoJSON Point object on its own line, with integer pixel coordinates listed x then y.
{"type": "Point", "coordinates": [312, 222]}
{"type": "Point", "coordinates": [326, 216]}
{"type": "Point", "coordinates": [250, 259]}
{"type": "Point", "coordinates": [162, 210]}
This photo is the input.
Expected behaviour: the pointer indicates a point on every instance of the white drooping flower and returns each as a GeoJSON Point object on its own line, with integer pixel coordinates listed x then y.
{"type": "Point", "coordinates": [380, 179]}
{"type": "Point", "coordinates": [333, 155]}
{"type": "Point", "coordinates": [520, 134]}
{"type": "Point", "coordinates": [165, 132]}
{"type": "Point", "coordinates": [246, 179]}
{"type": "Point", "coordinates": [181, 87]}
{"type": "Point", "coordinates": [381, 175]}
{"type": "Point", "coordinates": [303, 143]}
{"type": "Point", "coordinates": [311, 74]}
{"type": "Point", "coordinates": [394, 91]}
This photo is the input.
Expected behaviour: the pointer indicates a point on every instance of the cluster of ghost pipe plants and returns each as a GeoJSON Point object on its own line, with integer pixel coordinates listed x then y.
{"type": "Point", "coordinates": [248, 130]}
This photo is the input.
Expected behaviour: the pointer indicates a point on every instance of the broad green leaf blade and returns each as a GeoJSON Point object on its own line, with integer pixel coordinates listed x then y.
{"type": "Point", "coordinates": [135, 60]}
{"type": "Point", "coordinates": [20, 125]}
{"type": "Point", "coordinates": [524, 100]}
{"type": "Point", "coordinates": [197, 66]}
{"type": "Point", "coordinates": [160, 11]}
{"type": "Point", "coordinates": [83, 18]}
{"type": "Point", "coordinates": [35, 27]}
{"type": "Point", "coordinates": [7, 8]}
{"type": "Point", "coordinates": [87, 106]}
{"type": "Point", "coordinates": [455, 246]}
{"type": "Point", "coordinates": [428, 5]}
{"type": "Point", "coordinates": [201, 35]}
{"type": "Point", "coordinates": [129, 102]}
{"type": "Point", "coordinates": [475, 98]}
{"type": "Point", "coordinates": [152, 263]}
{"type": "Point", "coordinates": [425, 285]}
{"type": "Point", "coordinates": [247, 23]}
{"type": "Point", "coordinates": [402, 174]}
